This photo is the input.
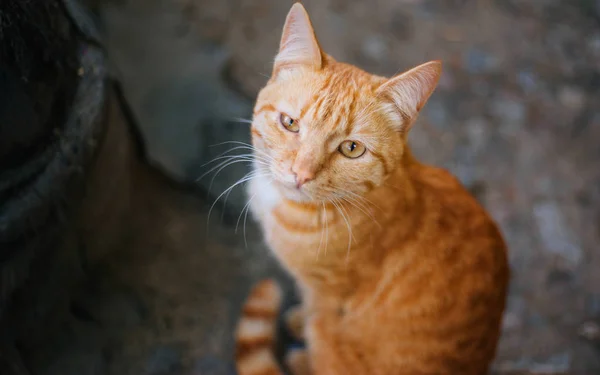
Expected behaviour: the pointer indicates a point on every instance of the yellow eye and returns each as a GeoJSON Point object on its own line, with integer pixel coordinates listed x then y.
{"type": "Point", "coordinates": [352, 150]}
{"type": "Point", "coordinates": [289, 123]}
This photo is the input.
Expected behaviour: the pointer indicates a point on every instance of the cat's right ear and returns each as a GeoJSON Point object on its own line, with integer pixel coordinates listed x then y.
{"type": "Point", "coordinates": [410, 91]}
{"type": "Point", "coordinates": [299, 48]}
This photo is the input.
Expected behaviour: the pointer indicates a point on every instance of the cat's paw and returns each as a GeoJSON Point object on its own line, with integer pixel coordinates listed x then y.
{"type": "Point", "coordinates": [294, 322]}
{"type": "Point", "coordinates": [297, 362]}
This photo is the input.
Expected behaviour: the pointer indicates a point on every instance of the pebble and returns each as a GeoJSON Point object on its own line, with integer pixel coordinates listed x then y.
{"type": "Point", "coordinates": [527, 80]}
{"type": "Point", "coordinates": [556, 364]}
{"type": "Point", "coordinates": [478, 132]}
{"type": "Point", "coordinates": [535, 319]}
{"type": "Point", "coordinates": [594, 45]}
{"type": "Point", "coordinates": [479, 61]}
{"type": "Point", "coordinates": [590, 330]}
{"type": "Point", "coordinates": [437, 114]}
{"type": "Point", "coordinates": [555, 234]}
{"type": "Point", "coordinates": [592, 304]}
{"type": "Point", "coordinates": [515, 310]}
{"type": "Point", "coordinates": [559, 277]}
{"type": "Point", "coordinates": [572, 97]}
{"type": "Point", "coordinates": [511, 112]}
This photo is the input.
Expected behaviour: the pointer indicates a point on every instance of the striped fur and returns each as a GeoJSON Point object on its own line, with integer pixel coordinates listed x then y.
{"type": "Point", "coordinates": [255, 334]}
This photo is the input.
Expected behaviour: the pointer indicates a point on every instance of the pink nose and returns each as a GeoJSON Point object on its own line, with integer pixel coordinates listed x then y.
{"type": "Point", "coordinates": [303, 177]}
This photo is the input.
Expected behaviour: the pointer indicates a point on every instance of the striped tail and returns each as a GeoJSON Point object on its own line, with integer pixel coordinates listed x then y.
{"type": "Point", "coordinates": [255, 334]}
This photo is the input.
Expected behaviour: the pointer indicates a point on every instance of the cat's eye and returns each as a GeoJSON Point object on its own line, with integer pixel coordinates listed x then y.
{"type": "Point", "coordinates": [352, 149]}
{"type": "Point", "coordinates": [289, 123]}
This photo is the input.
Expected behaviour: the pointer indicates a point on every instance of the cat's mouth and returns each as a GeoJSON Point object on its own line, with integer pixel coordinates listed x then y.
{"type": "Point", "coordinates": [286, 184]}
{"type": "Point", "coordinates": [292, 191]}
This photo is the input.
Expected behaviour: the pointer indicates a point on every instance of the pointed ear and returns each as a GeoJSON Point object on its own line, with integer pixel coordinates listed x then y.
{"type": "Point", "coordinates": [410, 90]}
{"type": "Point", "coordinates": [299, 46]}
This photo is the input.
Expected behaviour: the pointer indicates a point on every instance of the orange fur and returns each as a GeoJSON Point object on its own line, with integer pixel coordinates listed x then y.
{"type": "Point", "coordinates": [400, 270]}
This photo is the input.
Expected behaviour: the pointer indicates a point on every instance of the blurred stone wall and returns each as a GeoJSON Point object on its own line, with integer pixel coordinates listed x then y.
{"type": "Point", "coordinates": [516, 118]}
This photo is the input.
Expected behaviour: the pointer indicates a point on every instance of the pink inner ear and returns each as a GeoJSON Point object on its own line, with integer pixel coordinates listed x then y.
{"type": "Point", "coordinates": [299, 45]}
{"type": "Point", "coordinates": [410, 90]}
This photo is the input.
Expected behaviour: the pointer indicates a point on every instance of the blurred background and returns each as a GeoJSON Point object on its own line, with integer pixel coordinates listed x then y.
{"type": "Point", "coordinates": [158, 288]}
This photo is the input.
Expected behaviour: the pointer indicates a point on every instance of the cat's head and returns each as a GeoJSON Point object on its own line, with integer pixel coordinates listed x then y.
{"type": "Point", "coordinates": [324, 129]}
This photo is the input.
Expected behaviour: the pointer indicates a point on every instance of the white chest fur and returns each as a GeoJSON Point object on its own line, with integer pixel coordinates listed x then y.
{"type": "Point", "coordinates": [264, 197]}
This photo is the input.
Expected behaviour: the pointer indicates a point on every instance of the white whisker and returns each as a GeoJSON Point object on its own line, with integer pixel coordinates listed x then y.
{"type": "Point", "coordinates": [363, 207]}
{"type": "Point", "coordinates": [230, 142]}
{"type": "Point", "coordinates": [326, 229]}
{"type": "Point", "coordinates": [247, 205]}
{"type": "Point", "coordinates": [358, 196]}
{"type": "Point", "coordinates": [224, 154]}
{"type": "Point", "coordinates": [337, 205]}
{"type": "Point", "coordinates": [355, 200]}
{"type": "Point", "coordinates": [249, 176]}
{"type": "Point", "coordinates": [240, 120]}
{"type": "Point", "coordinates": [243, 145]}
{"type": "Point", "coordinates": [212, 180]}
{"type": "Point", "coordinates": [229, 159]}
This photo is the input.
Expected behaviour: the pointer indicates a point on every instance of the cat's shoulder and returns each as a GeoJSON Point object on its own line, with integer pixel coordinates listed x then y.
{"type": "Point", "coordinates": [454, 206]}
{"type": "Point", "coordinates": [447, 194]}
{"type": "Point", "coordinates": [435, 178]}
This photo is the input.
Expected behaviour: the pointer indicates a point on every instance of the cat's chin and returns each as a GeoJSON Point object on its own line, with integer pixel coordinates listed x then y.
{"type": "Point", "coordinates": [293, 193]}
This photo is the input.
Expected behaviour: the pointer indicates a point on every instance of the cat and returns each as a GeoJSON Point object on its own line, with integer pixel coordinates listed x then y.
{"type": "Point", "coordinates": [399, 268]}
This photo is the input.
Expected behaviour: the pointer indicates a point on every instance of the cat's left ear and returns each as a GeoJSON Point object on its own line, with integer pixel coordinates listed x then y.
{"type": "Point", "coordinates": [299, 47]}
{"type": "Point", "coordinates": [410, 90]}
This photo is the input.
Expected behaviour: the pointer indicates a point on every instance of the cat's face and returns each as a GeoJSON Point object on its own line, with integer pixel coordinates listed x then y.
{"type": "Point", "coordinates": [324, 134]}
{"type": "Point", "coordinates": [326, 131]}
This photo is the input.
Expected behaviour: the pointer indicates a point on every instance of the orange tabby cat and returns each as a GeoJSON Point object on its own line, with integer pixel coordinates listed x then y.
{"type": "Point", "coordinates": [400, 270]}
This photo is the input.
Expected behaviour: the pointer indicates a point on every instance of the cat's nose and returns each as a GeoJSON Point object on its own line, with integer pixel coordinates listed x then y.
{"type": "Point", "coordinates": [303, 177]}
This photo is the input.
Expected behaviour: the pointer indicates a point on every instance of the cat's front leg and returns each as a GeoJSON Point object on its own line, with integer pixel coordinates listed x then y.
{"type": "Point", "coordinates": [294, 320]}
{"type": "Point", "coordinates": [297, 362]}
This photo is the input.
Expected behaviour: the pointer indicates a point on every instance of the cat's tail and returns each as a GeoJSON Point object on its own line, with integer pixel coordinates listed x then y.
{"type": "Point", "coordinates": [255, 334]}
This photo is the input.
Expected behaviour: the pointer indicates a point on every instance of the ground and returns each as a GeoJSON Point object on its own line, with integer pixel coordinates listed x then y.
{"type": "Point", "coordinates": [516, 118]}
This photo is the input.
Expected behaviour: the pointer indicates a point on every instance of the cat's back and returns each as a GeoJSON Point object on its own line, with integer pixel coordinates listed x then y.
{"type": "Point", "coordinates": [455, 230]}
{"type": "Point", "coordinates": [450, 210]}
{"type": "Point", "coordinates": [444, 287]}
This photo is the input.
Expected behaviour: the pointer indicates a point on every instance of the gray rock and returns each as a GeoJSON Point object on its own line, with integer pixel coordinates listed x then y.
{"type": "Point", "coordinates": [511, 112]}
